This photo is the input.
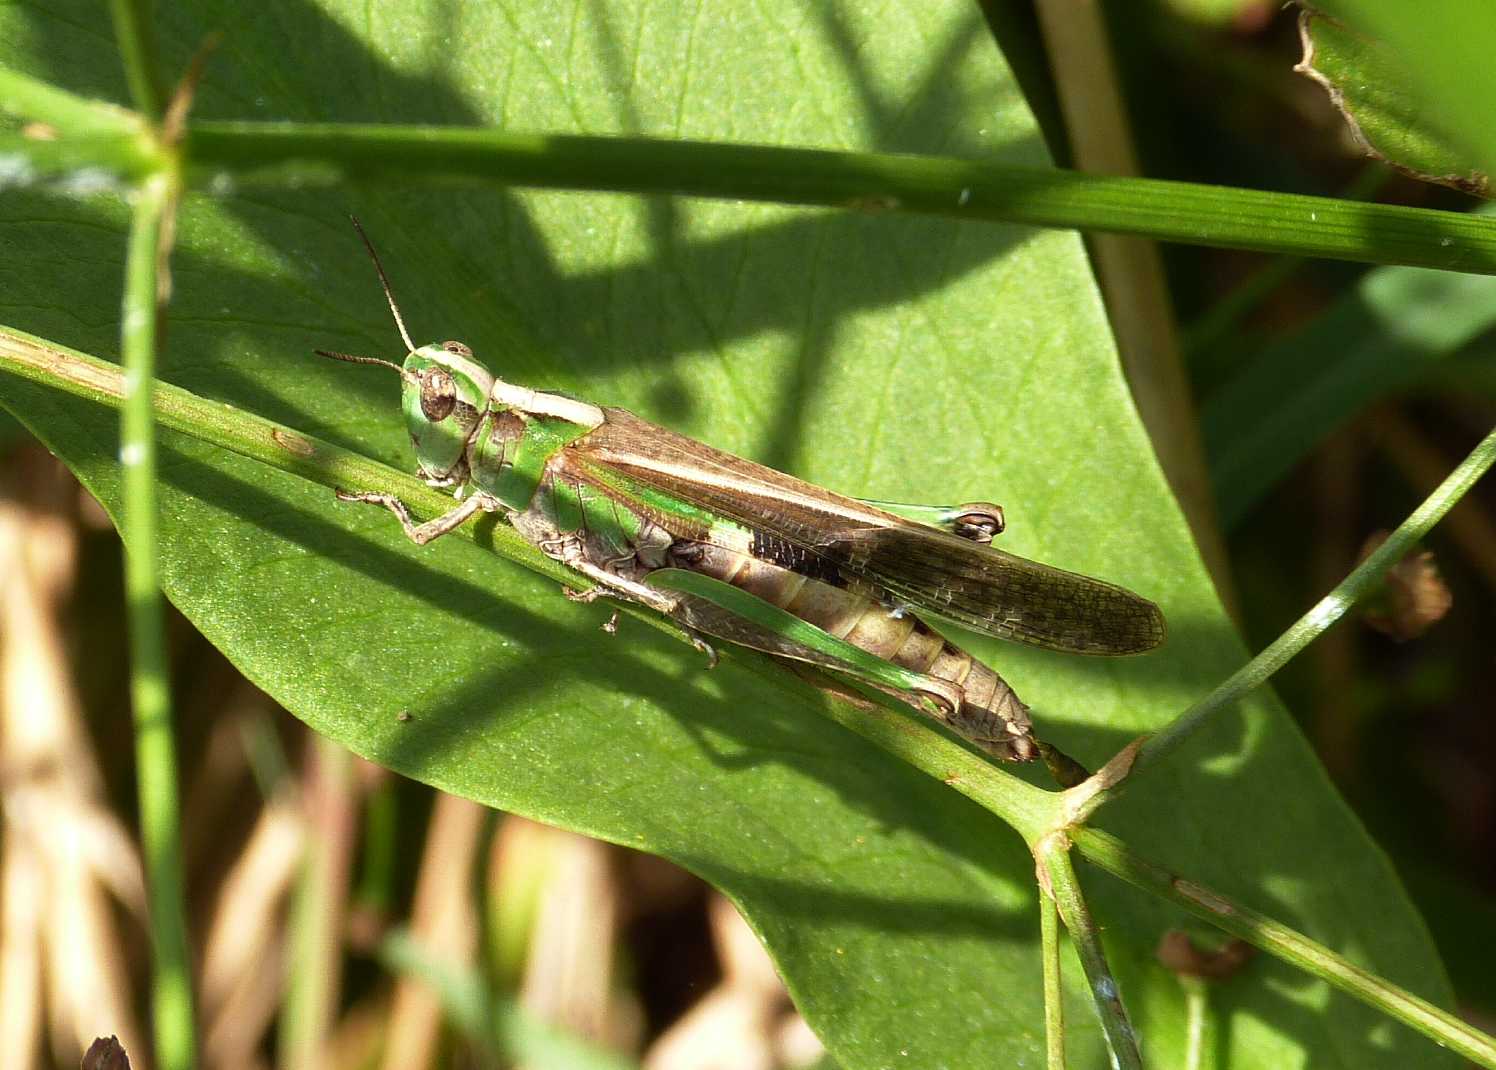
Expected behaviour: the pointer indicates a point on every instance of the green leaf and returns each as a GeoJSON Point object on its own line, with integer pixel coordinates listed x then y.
{"type": "Point", "coordinates": [1371, 86]}
{"type": "Point", "coordinates": [895, 358]}
{"type": "Point", "coordinates": [1446, 48]}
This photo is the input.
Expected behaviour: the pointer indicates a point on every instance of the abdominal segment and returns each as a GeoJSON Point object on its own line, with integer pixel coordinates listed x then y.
{"type": "Point", "coordinates": [990, 714]}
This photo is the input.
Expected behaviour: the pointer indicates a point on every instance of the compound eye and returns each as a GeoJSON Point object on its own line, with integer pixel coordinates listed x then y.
{"type": "Point", "coordinates": [438, 395]}
{"type": "Point", "coordinates": [458, 348]}
{"type": "Point", "coordinates": [979, 521]}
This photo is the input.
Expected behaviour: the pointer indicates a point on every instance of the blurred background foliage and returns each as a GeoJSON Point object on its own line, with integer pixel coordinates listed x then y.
{"type": "Point", "coordinates": [1331, 398]}
{"type": "Point", "coordinates": [1363, 387]}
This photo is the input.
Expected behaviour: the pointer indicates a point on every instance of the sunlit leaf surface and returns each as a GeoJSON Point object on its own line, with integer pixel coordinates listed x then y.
{"type": "Point", "coordinates": [897, 358]}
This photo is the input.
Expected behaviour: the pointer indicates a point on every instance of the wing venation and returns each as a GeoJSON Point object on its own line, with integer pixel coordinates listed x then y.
{"type": "Point", "coordinates": [896, 560]}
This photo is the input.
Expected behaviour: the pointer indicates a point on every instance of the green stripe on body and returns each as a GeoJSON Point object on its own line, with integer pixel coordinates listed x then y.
{"type": "Point", "coordinates": [515, 485]}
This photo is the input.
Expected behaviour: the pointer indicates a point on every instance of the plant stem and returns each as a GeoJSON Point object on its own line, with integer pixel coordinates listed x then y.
{"type": "Point", "coordinates": [135, 35]}
{"type": "Point", "coordinates": [1053, 855]}
{"type": "Point", "coordinates": [303, 153]}
{"type": "Point", "coordinates": [1362, 580]}
{"type": "Point", "coordinates": [155, 752]}
{"type": "Point", "coordinates": [1196, 1004]}
{"type": "Point", "coordinates": [1054, 993]}
{"type": "Point", "coordinates": [1111, 854]}
{"type": "Point", "coordinates": [248, 435]}
{"type": "Point", "coordinates": [38, 101]}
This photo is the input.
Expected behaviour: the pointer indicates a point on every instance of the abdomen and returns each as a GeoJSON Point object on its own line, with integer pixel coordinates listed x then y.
{"type": "Point", "coordinates": [990, 715]}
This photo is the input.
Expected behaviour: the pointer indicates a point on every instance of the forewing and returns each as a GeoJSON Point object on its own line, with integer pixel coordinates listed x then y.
{"type": "Point", "coordinates": [897, 560]}
{"type": "Point", "coordinates": [1000, 593]}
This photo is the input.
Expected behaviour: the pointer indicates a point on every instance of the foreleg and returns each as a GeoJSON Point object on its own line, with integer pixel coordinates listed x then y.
{"type": "Point", "coordinates": [435, 528]}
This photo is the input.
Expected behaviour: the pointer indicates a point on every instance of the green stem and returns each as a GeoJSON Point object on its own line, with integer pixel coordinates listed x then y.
{"type": "Point", "coordinates": [1054, 993]}
{"type": "Point", "coordinates": [155, 752]}
{"type": "Point", "coordinates": [80, 165]}
{"type": "Point", "coordinates": [250, 436]}
{"type": "Point", "coordinates": [38, 101]}
{"type": "Point", "coordinates": [1196, 1004]}
{"type": "Point", "coordinates": [135, 35]}
{"type": "Point", "coordinates": [87, 145]}
{"type": "Point", "coordinates": [1053, 854]}
{"type": "Point", "coordinates": [1195, 214]}
{"type": "Point", "coordinates": [1111, 854]}
{"type": "Point", "coordinates": [1363, 579]}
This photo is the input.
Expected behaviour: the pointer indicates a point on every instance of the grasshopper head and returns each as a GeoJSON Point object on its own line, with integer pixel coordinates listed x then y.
{"type": "Point", "coordinates": [444, 392]}
{"type": "Point", "coordinates": [444, 395]}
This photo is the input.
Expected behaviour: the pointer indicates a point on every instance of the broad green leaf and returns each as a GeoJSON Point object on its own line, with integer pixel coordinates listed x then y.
{"type": "Point", "coordinates": [901, 359]}
{"type": "Point", "coordinates": [1445, 46]}
{"type": "Point", "coordinates": [1371, 86]}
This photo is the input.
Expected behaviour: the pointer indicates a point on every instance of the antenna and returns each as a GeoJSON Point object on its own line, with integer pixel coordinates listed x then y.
{"type": "Point", "coordinates": [354, 358]}
{"type": "Point", "coordinates": [388, 295]}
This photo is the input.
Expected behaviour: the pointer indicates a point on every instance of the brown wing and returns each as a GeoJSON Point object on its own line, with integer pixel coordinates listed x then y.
{"type": "Point", "coordinates": [902, 562]}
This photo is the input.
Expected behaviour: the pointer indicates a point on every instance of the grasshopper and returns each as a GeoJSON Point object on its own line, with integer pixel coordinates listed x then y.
{"type": "Point", "coordinates": [733, 550]}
